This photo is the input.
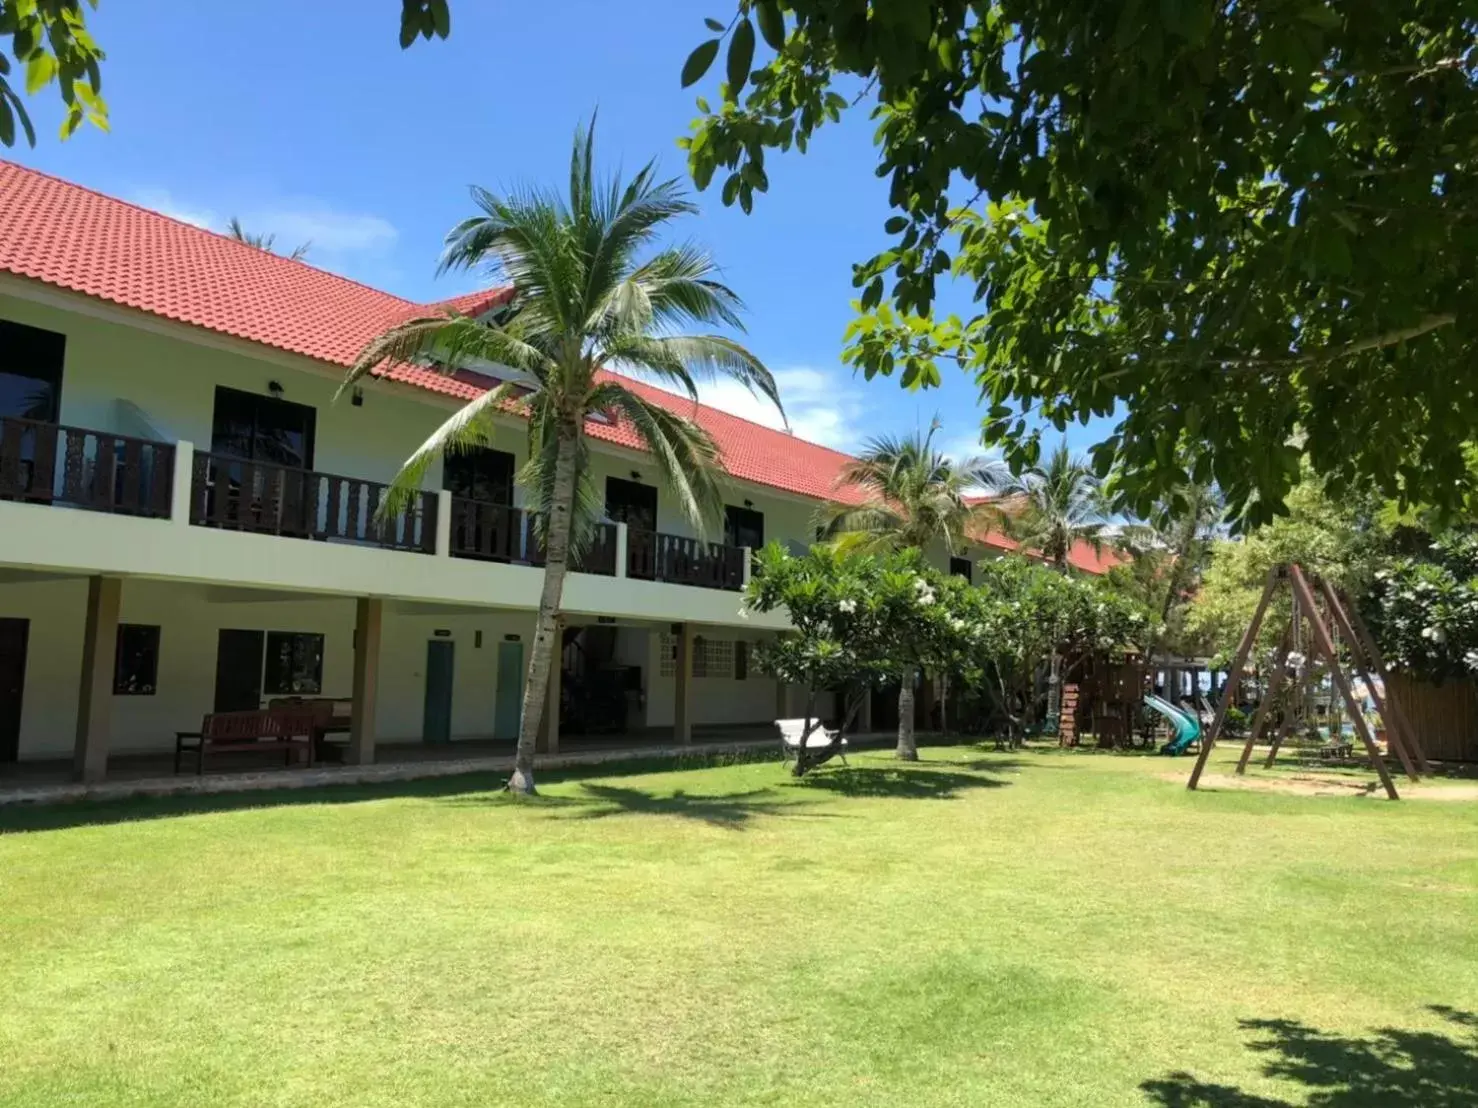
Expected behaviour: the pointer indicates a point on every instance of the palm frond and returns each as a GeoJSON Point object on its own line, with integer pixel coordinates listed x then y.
{"type": "Point", "coordinates": [686, 359]}
{"type": "Point", "coordinates": [452, 341]}
{"type": "Point", "coordinates": [684, 453]}
{"type": "Point", "coordinates": [468, 428]}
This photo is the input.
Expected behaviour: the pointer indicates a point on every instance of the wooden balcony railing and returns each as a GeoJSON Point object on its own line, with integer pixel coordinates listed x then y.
{"type": "Point", "coordinates": [47, 463]}
{"type": "Point", "coordinates": [493, 533]}
{"type": "Point", "coordinates": [500, 533]}
{"type": "Point", "coordinates": [654, 556]}
{"type": "Point", "coordinates": [282, 500]}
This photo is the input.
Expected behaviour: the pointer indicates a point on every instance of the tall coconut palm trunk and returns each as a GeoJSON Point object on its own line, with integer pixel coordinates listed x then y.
{"type": "Point", "coordinates": [908, 748]}
{"type": "Point", "coordinates": [545, 653]}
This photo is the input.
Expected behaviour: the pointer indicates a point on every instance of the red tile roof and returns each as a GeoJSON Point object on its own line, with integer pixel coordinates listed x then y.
{"type": "Point", "coordinates": [84, 241]}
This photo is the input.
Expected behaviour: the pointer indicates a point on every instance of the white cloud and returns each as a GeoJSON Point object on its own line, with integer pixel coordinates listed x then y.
{"type": "Point", "coordinates": [354, 243]}
{"type": "Point", "coordinates": [330, 231]}
{"type": "Point", "coordinates": [824, 406]}
{"type": "Point", "coordinates": [164, 202]}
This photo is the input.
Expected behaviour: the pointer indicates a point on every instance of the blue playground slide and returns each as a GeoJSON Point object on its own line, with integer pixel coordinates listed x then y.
{"type": "Point", "coordinates": [1187, 727]}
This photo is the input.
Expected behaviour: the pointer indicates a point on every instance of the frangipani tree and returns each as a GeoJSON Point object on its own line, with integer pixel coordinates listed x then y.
{"type": "Point", "coordinates": [591, 288]}
{"type": "Point", "coordinates": [913, 496]}
{"type": "Point", "coordinates": [1021, 613]}
{"type": "Point", "coordinates": [855, 616]}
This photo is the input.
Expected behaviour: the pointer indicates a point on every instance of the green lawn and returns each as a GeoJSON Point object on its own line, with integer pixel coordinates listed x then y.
{"type": "Point", "coordinates": [982, 929]}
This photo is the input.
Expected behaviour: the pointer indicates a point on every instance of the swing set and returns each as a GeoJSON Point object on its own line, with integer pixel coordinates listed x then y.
{"type": "Point", "coordinates": [1320, 608]}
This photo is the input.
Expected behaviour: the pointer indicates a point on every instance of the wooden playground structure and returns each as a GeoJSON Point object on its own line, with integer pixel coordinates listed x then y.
{"type": "Point", "coordinates": [1319, 607]}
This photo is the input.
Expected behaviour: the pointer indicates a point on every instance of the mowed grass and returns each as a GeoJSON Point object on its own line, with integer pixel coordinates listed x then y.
{"type": "Point", "coordinates": [980, 929]}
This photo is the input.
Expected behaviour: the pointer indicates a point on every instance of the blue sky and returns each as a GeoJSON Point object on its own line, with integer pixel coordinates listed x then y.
{"type": "Point", "coordinates": [310, 122]}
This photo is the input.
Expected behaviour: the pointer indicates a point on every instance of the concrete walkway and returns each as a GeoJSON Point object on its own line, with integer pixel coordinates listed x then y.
{"type": "Point", "coordinates": [52, 792]}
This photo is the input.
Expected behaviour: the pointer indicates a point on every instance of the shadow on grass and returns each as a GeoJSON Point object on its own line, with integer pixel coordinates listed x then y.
{"type": "Point", "coordinates": [905, 781]}
{"type": "Point", "coordinates": [1393, 1067]}
{"type": "Point", "coordinates": [89, 813]}
{"type": "Point", "coordinates": [728, 810]}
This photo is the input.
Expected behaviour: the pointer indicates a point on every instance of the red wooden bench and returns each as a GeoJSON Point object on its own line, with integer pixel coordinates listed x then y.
{"type": "Point", "coordinates": [285, 729]}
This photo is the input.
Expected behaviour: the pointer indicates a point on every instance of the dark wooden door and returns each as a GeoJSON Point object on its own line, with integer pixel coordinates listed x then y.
{"type": "Point", "coordinates": [238, 671]}
{"type": "Point", "coordinates": [13, 636]}
{"type": "Point", "coordinates": [744, 527]}
{"type": "Point", "coordinates": [479, 474]}
{"type": "Point", "coordinates": [632, 504]}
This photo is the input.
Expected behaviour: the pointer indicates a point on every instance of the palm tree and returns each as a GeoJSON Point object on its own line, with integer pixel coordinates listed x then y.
{"type": "Point", "coordinates": [1176, 543]}
{"type": "Point", "coordinates": [1052, 509]}
{"type": "Point", "coordinates": [590, 289]}
{"type": "Point", "coordinates": [914, 496]}
{"type": "Point", "coordinates": [263, 242]}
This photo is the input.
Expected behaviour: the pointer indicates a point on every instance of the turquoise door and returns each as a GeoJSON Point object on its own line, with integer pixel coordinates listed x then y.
{"type": "Point", "coordinates": [508, 700]}
{"type": "Point", "coordinates": [437, 723]}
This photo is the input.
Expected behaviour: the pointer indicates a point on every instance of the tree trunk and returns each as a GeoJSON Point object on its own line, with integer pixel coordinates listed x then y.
{"type": "Point", "coordinates": [1054, 693]}
{"type": "Point", "coordinates": [546, 648]}
{"type": "Point", "coordinates": [908, 749]}
{"type": "Point", "coordinates": [944, 704]}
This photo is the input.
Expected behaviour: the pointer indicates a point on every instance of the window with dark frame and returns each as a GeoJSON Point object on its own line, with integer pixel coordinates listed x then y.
{"type": "Point", "coordinates": [480, 474]}
{"type": "Point", "coordinates": [294, 665]}
{"type": "Point", "coordinates": [136, 662]}
{"type": "Point", "coordinates": [743, 527]}
{"type": "Point", "coordinates": [31, 372]}
{"type": "Point", "coordinates": [262, 429]}
{"type": "Point", "coordinates": [962, 567]}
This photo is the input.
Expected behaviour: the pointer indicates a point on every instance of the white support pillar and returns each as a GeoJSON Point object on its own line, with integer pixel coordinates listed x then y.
{"type": "Point", "coordinates": [183, 487]}
{"type": "Point", "coordinates": [622, 540]}
{"type": "Point", "coordinates": [444, 524]}
{"type": "Point", "coordinates": [95, 692]}
{"type": "Point", "coordinates": [748, 563]}
{"type": "Point", "coordinates": [368, 623]}
{"type": "Point", "coordinates": [682, 707]}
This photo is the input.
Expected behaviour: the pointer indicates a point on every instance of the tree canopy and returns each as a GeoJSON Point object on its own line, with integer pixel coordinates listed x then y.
{"type": "Point", "coordinates": [1218, 224]}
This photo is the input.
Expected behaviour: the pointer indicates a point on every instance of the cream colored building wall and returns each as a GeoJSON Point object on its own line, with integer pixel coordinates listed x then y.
{"type": "Point", "coordinates": [190, 618]}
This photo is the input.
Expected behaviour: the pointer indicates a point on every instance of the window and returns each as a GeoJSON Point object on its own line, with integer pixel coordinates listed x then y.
{"type": "Point", "coordinates": [136, 665]}
{"type": "Point", "coordinates": [713, 658]}
{"type": "Point", "coordinates": [479, 474]}
{"type": "Point", "coordinates": [741, 661]}
{"type": "Point", "coordinates": [962, 567]}
{"type": "Point", "coordinates": [30, 372]}
{"type": "Point", "coordinates": [294, 664]}
{"type": "Point", "coordinates": [744, 527]}
{"type": "Point", "coordinates": [666, 655]}
{"type": "Point", "coordinates": [631, 503]}
{"type": "Point", "coordinates": [262, 429]}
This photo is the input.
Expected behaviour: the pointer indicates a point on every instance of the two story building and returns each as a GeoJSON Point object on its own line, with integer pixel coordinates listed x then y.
{"type": "Point", "coordinates": [188, 517]}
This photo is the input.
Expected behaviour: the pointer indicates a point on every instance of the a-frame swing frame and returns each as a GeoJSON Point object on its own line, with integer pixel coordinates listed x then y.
{"type": "Point", "coordinates": [1368, 665]}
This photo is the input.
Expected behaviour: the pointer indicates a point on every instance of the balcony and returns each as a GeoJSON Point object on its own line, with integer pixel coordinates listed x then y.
{"type": "Point", "coordinates": [185, 504]}
{"type": "Point", "coordinates": [677, 560]}
{"type": "Point", "coordinates": [271, 499]}
{"type": "Point", "coordinates": [72, 467]}
{"type": "Point", "coordinates": [499, 533]}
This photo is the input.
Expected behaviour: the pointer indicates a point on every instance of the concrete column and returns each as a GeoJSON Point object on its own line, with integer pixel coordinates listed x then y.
{"type": "Point", "coordinates": [682, 708]}
{"type": "Point", "coordinates": [548, 741]}
{"type": "Point", "coordinates": [621, 549]}
{"type": "Point", "coordinates": [368, 622]}
{"type": "Point", "coordinates": [183, 487]}
{"type": "Point", "coordinates": [748, 563]}
{"type": "Point", "coordinates": [95, 692]}
{"type": "Point", "coordinates": [444, 524]}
